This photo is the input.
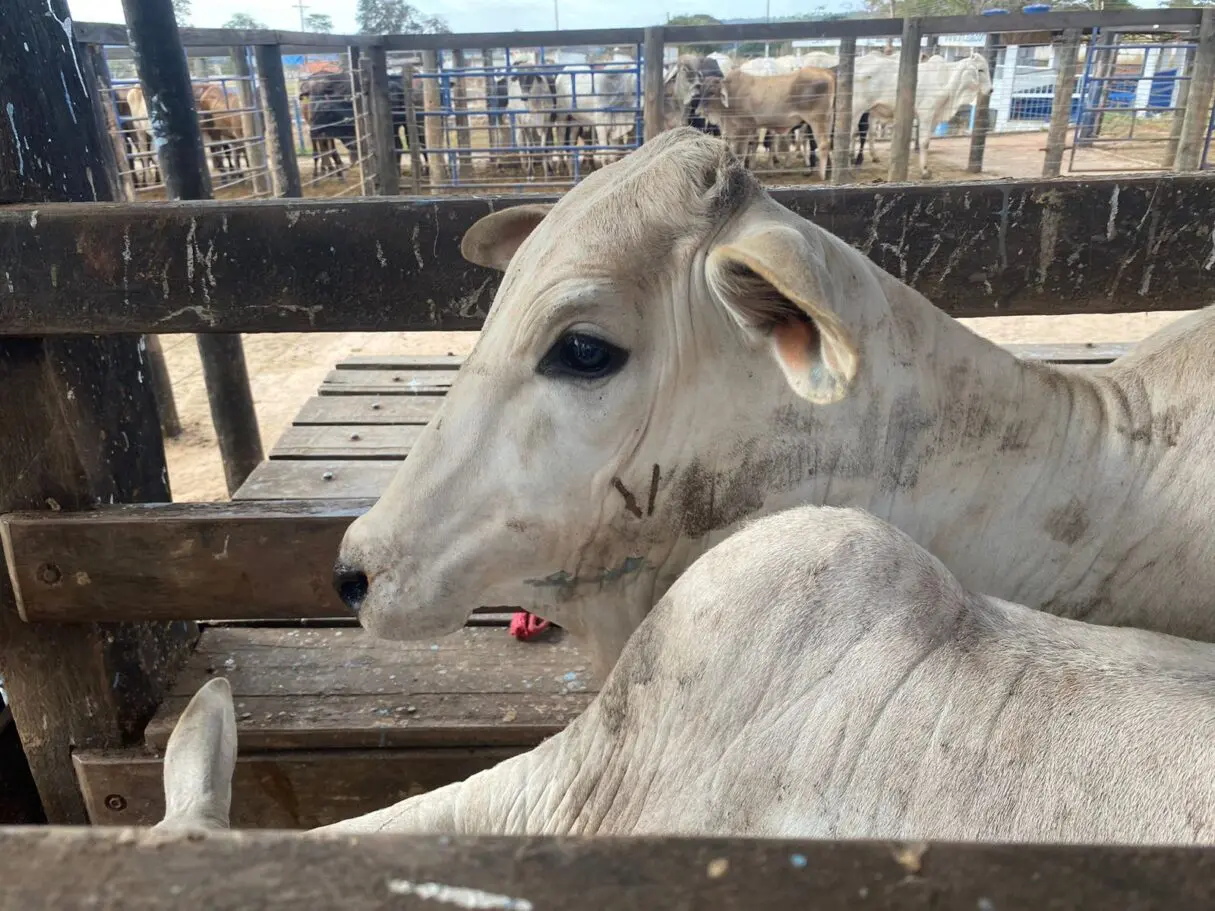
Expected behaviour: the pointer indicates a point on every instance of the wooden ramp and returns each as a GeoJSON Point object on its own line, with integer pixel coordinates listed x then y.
{"type": "Point", "coordinates": [331, 722]}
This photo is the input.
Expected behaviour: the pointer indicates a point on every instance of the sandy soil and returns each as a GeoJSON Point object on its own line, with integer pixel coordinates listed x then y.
{"type": "Point", "coordinates": [286, 369]}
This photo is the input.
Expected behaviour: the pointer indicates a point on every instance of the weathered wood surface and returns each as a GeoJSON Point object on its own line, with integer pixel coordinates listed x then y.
{"type": "Point", "coordinates": [138, 870]}
{"type": "Point", "coordinates": [976, 249]}
{"type": "Point", "coordinates": [387, 382]}
{"type": "Point", "coordinates": [79, 428]}
{"type": "Point", "coordinates": [372, 442]}
{"type": "Point", "coordinates": [319, 689]}
{"type": "Point", "coordinates": [295, 789]}
{"type": "Point", "coordinates": [319, 479]}
{"type": "Point", "coordinates": [362, 410]}
{"type": "Point", "coordinates": [194, 561]}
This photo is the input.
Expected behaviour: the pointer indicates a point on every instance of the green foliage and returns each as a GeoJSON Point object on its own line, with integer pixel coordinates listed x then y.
{"type": "Point", "coordinates": [318, 22]}
{"type": "Point", "coordinates": [396, 17]}
{"type": "Point", "coordinates": [181, 12]}
{"type": "Point", "coordinates": [243, 21]}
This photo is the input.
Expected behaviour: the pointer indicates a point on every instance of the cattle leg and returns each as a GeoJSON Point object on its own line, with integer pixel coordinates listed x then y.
{"type": "Point", "coordinates": [820, 123]}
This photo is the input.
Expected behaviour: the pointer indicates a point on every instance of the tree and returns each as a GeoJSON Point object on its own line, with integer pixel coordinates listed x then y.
{"type": "Point", "coordinates": [243, 21]}
{"type": "Point", "coordinates": [396, 17]}
{"type": "Point", "coordinates": [696, 19]}
{"type": "Point", "coordinates": [181, 12]}
{"type": "Point", "coordinates": [318, 22]}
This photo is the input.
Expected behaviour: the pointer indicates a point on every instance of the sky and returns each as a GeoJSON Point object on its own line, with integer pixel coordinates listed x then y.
{"type": "Point", "coordinates": [476, 15]}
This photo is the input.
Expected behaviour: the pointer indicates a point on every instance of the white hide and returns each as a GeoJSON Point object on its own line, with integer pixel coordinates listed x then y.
{"type": "Point", "coordinates": [862, 693]}
{"type": "Point", "coordinates": [770, 364]}
{"type": "Point", "coordinates": [603, 99]}
{"type": "Point", "coordinates": [199, 761]}
{"type": "Point", "coordinates": [941, 88]}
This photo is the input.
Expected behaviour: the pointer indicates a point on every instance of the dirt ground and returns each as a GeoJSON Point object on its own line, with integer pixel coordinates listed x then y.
{"type": "Point", "coordinates": [286, 369]}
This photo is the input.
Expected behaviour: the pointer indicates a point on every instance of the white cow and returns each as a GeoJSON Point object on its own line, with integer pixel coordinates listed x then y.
{"type": "Point", "coordinates": [602, 98]}
{"type": "Point", "coordinates": [677, 352]}
{"type": "Point", "coordinates": [876, 699]}
{"type": "Point", "coordinates": [530, 104]}
{"type": "Point", "coordinates": [724, 62]}
{"type": "Point", "coordinates": [941, 88]}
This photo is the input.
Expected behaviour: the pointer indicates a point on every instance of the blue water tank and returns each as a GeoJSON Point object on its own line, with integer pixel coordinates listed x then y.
{"type": "Point", "coordinates": [1036, 8]}
{"type": "Point", "coordinates": [995, 12]}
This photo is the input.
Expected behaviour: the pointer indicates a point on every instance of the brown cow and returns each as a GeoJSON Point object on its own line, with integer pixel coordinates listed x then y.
{"type": "Point", "coordinates": [219, 119]}
{"type": "Point", "coordinates": [742, 104]}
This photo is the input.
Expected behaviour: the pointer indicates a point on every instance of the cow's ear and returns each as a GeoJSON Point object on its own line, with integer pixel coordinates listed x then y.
{"type": "Point", "coordinates": [772, 281]}
{"type": "Point", "coordinates": [199, 761]}
{"type": "Point", "coordinates": [493, 240]}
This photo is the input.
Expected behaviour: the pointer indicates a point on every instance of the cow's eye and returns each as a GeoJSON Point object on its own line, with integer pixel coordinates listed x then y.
{"type": "Point", "coordinates": [582, 356]}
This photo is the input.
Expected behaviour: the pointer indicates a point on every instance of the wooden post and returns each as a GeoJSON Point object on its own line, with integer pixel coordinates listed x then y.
{"type": "Point", "coordinates": [1198, 104]}
{"type": "Point", "coordinates": [162, 387]}
{"type": "Point", "coordinates": [387, 167]}
{"type": "Point", "coordinates": [161, 63]}
{"type": "Point", "coordinates": [1183, 95]}
{"type": "Point", "coordinates": [654, 120]}
{"type": "Point", "coordinates": [80, 428]}
{"type": "Point", "coordinates": [411, 133]}
{"type": "Point", "coordinates": [982, 118]}
{"type": "Point", "coordinates": [493, 132]}
{"type": "Point", "coordinates": [281, 158]}
{"type": "Point", "coordinates": [251, 122]}
{"type": "Point", "coordinates": [459, 101]}
{"type": "Point", "coordinates": [841, 139]}
{"type": "Point", "coordinates": [1061, 107]}
{"type": "Point", "coordinates": [904, 108]}
{"type": "Point", "coordinates": [113, 152]}
{"type": "Point", "coordinates": [432, 105]}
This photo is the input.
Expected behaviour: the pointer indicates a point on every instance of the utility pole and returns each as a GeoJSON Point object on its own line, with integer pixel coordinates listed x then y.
{"type": "Point", "coordinates": [556, 17]}
{"type": "Point", "coordinates": [299, 4]}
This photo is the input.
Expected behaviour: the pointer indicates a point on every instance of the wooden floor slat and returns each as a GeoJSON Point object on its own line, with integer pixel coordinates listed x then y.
{"type": "Point", "coordinates": [313, 689]}
{"type": "Point", "coordinates": [368, 409]}
{"type": "Point", "coordinates": [401, 362]}
{"type": "Point", "coordinates": [387, 382]}
{"type": "Point", "coordinates": [374, 441]}
{"type": "Point", "coordinates": [322, 479]}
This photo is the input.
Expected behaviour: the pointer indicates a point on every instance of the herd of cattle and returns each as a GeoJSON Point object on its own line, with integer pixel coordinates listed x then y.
{"type": "Point", "coordinates": [566, 119]}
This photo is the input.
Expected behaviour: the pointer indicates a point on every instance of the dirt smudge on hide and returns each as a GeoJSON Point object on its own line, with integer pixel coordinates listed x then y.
{"type": "Point", "coordinates": [1068, 524]}
{"type": "Point", "coordinates": [635, 669]}
{"type": "Point", "coordinates": [630, 501]}
{"type": "Point", "coordinates": [707, 500]}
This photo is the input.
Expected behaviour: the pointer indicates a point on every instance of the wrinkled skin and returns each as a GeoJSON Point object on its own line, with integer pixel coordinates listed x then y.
{"type": "Point", "coordinates": [878, 699]}
{"type": "Point", "coordinates": [769, 364]}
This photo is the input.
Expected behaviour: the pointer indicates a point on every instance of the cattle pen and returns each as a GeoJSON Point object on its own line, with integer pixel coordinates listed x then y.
{"type": "Point", "coordinates": [119, 603]}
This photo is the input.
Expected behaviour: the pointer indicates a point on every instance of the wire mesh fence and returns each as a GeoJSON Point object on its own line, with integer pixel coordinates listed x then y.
{"type": "Point", "coordinates": [539, 119]}
{"type": "Point", "coordinates": [229, 118]}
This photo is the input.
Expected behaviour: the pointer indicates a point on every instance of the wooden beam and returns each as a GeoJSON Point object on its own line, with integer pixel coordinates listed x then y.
{"type": "Point", "coordinates": [975, 249]}
{"type": "Point", "coordinates": [280, 152]}
{"type": "Point", "coordinates": [1192, 140]}
{"type": "Point", "coordinates": [905, 96]}
{"type": "Point", "coordinates": [212, 561]}
{"type": "Point", "coordinates": [653, 115]}
{"type": "Point", "coordinates": [1061, 107]}
{"type": "Point", "coordinates": [982, 108]}
{"type": "Point", "coordinates": [297, 789]}
{"type": "Point", "coordinates": [79, 428]}
{"type": "Point", "coordinates": [280, 871]}
{"type": "Point", "coordinates": [843, 127]}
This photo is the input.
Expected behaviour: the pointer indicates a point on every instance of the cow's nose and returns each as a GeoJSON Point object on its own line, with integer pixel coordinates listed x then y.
{"type": "Point", "coordinates": [351, 585]}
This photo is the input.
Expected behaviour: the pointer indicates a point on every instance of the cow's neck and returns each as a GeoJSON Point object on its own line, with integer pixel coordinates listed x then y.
{"type": "Point", "coordinates": [987, 461]}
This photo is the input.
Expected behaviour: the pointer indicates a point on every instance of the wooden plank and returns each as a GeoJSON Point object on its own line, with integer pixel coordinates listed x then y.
{"type": "Point", "coordinates": [354, 409]}
{"type": "Point", "coordinates": [138, 870]}
{"type": "Point", "coordinates": [1071, 352]}
{"type": "Point", "coordinates": [401, 362]}
{"type": "Point", "coordinates": [975, 249]}
{"type": "Point", "coordinates": [213, 561]}
{"type": "Point", "coordinates": [217, 561]}
{"type": "Point", "coordinates": [79, 428]}
{"type": "Point", "coordinates": [387, 382]}
{"type": "Point", "coordinates": [328, 479]}
{"type": "Point", "coordinates": [281, 790]}
{"type": "Point", "coordinates": [375, 441]}
{"type": "Point", "coordinates": [315, 689]}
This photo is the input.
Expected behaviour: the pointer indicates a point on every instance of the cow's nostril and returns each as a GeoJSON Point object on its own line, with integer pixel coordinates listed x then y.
{"type": "Point", "coordinates": [351, 585]}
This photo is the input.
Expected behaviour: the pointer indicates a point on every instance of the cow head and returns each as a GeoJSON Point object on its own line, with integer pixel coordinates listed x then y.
{"type": "Point", "coordinates": [639, 387]}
